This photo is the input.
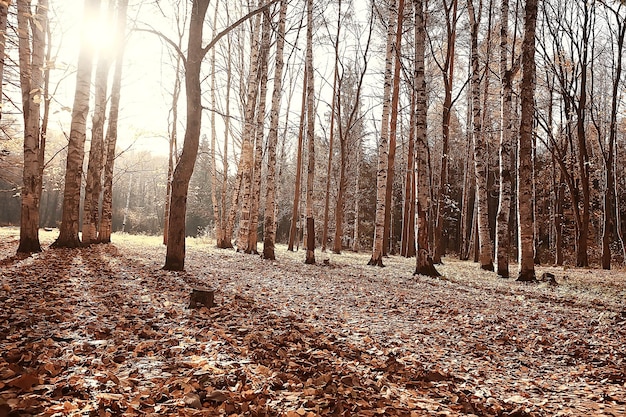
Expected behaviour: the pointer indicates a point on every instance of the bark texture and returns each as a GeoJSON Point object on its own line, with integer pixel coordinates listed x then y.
{"type": "Point", "coordinates": [105, 228]}
{"type": "Point", "coordinates": [423, 262]}
{"type": "Point", "coordinates": [269, 229]}
{"type": "Point", "coordinates": [383, 145]}
{"type": "Point", "coordinates": [31, 59]}
{"type": "Point", "coordinates": [175, 256]}
{"type": "Point", "coordinates": [524, 161]}
{"type": "Point", "coordinates": [68, 231]}
{"type": "Point", "coordinates": [93, 185]}
{"type": "Point", "coordinates": [310, 137]}
{"type": "Point", "coordinates": [503, 246]}
{"type": "Point", "coordinates": [480, 150]}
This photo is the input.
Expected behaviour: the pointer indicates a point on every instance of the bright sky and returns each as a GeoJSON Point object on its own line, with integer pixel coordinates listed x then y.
{"type": "Point", "coordinates": [146, 83]}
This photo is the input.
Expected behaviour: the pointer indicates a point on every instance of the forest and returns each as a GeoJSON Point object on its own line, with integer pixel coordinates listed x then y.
{"type": "Point", "coordinates": [149, 148]}
{"type": "Point", "coordinates": [237, 155]}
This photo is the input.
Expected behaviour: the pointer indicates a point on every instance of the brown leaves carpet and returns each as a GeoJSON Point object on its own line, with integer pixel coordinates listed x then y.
{"type": "Point", "coordinates": [103, 331]}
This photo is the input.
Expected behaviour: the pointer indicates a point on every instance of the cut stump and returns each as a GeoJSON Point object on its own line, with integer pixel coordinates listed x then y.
{"type": "Point", "coordinates": [201, 297]}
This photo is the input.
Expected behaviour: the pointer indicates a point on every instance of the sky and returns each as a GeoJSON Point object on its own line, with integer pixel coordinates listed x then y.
{"type": "Point", "coordinates": [146, 82]}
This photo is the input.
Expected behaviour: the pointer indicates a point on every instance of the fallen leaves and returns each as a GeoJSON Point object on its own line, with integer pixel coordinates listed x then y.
{"type": "Point", "coordinates": [104, 331]}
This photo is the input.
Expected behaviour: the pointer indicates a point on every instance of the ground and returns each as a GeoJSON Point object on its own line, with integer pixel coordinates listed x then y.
{"type": "Point", "coordinates": [105, 331]}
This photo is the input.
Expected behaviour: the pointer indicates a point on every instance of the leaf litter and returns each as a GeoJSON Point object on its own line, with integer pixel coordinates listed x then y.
{"type": "Point", "coordinates": [104, 331]}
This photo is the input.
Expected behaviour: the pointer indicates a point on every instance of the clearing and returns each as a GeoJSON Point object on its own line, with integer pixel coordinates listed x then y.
{"type": "Point", "coordinates": [104, 331]}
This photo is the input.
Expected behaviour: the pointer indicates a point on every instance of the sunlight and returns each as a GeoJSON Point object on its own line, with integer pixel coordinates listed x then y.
{"type": "Point", "coordinates": [100, 35]}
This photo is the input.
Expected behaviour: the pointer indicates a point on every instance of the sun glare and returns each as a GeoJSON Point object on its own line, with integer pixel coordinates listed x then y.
{"type": "Point", "coordinates": [99, 35]}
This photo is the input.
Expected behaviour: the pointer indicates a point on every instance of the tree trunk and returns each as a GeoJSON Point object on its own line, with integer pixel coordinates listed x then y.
{"type": "Point", "coordinates": [310, 136]}
{"type": "Point", "coordinates": [228, 222]}
{"type": "Point", "coordinates": [247, 140]}
{"type": "Point", "coordinates": [258, 154]}
{"type": "Point", "coordinates": [172, 159]}
{"type": "Point", "coordinates": [583, 155]}
{"type": "Point", "coordinates": [388, 238]}
{"type": "Point", "coordinates": [503, 235]}
{"type": "Point", "coordinates": [447, 72]}
{"type": "Point", "coordinates": [524, 159]}
{"type": "Point", "coordinates": [269, 228]}
{"type": "Point", "coordinates": [175, 256]}
{"type": "Point", "coordinates": [68, 232]}
{"type": "Point", "coordinates": [611, 214]}
{"type": "Point", "coordinates": [105, 229]}
{"type": "Point", "coordinates": [357, 188]}
{"type": "Point", "coordinates": [480, 151]}
{"type": "Point", "coordinates": [295, 214]}
{"type": "Point", "coordinates": [93, 185]}
{"type": "Point", "coordinates": [423, 262]}
{"type": "Point", "coordinates": [31, 80]}
{"type": "Point", "coordinates": [4, 13]}
{"type": "Point", "coordinates": [217, 216]}
{"type": "Point", "coordinates": [408, 213]}
{"type": "Point", "coordinates": [383, 145]}
{"type": "Point", "coordinates": [558, 219]}
{"type": "Point", "coordinates": [332, 139]}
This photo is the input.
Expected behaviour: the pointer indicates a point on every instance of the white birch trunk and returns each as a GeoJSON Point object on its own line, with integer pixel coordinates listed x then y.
{"type": "Point", "coordinates": [383, 144]}
{"type": "Point", "coordinates": [480, 151]}
{"type": "Point", "coordinates": [269, 228]}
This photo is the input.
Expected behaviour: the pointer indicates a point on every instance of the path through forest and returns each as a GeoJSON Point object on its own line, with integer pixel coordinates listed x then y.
{"type": "Point", "coordinates": [104, 331]}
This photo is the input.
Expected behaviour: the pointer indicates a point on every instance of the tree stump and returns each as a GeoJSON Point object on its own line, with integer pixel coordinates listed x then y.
{"type": "Point", "coordinates": [201, 297]}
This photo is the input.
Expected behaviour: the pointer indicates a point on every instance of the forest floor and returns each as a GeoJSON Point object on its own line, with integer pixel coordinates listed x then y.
{"type": "Point", "coordinates": [104, 331]}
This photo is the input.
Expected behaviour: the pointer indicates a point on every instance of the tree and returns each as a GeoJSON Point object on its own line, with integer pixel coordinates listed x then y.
{"type": "Point", "coordinates": [106, 218]}
{"type": "Point", "coordinates": [610, 214]}
{"type": "Point", "coordinates": [393, 127]}
{"type": "Point", "coordinates": [295, 213]}
{"type": "Point", "coordinates": [93, 184]}
{"type": "Point", "coordinates": [480, 151]}
{"type": "Point", "coordinates": [503, 247]}
{"type": "Point", "coordinates": [447, 73]}
{"type": "Point", "coordinates": [269, 229]}
{"type": "Point", "coordinates": [31, 58]}
{"type": "Point", "coordinates": [259, 135]}
{"type": "Point", "coordinates": [246, 160]}
{"type": "Point", "coordinates": [333, 115]}
{"type": "Point", "coordinates": [172, 159]}
{"type": "Point", "coordinates": [383, 143]}
{"type": "Point", "coordinates": [4, 14]}
{"type": "Point", "coordinates": [310, 136]}
{"type": "Point", "coordinates": [68, 232]}
{"type": "Point", "coordinates": [175, 255]}
{"type": "Point", "coordinates": [423, 262]}
{"type": "Point", "coordinates": [524, 158]}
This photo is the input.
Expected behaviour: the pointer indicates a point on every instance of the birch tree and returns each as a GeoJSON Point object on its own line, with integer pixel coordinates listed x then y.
{"type": "Point", "coordinates": [106, 217]}
{"type": "Point", "coordinates": [247, 138]}
{"type": "Point", "coordinates": [4, 14]}
{"type": "Point", "coordinates": [269, 229]}
{"type": "Point", "coordinates": [506, 134]}
{"type": "Point", "coordinates": [32, 40]}
{"type": "Point", "coordinates": [259, 135]}
{"type": "Point", "coordinates": [480, 151]}
{"type": "Point", "coordinates": [446, 67]}
{"type": "Point", "coordinates": [310, 136]}
{"type": "Point", "coordinates": [333, 114]}
{"type": "Point", "coordinates": [393, 127]}
{"type": "Point", "coordinates": [68, 231]}
{"type": "Point", "coordinates": [383, 143]}
{"type": "Point", "coordinates": [93, 185]}
{"type": "Point", "coordinates": [423, 262]}
{"type": "Point", "coordinates": [524, 158]}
